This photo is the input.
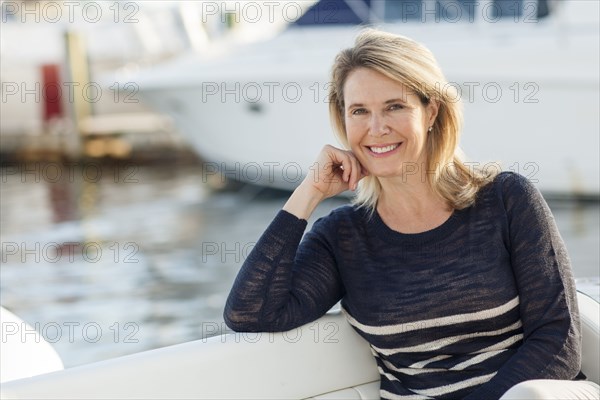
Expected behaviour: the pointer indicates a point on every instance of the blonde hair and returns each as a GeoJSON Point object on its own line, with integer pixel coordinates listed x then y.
{"type": "Point", "coordinates": [413, 65]}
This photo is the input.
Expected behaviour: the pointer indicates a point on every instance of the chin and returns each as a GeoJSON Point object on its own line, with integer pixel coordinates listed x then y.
{"type": "Point", "coordinates": [385, 174]}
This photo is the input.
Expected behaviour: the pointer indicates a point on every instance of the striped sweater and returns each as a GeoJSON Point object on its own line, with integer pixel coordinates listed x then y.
{"type": "Point", "coordinates": [463, 311]}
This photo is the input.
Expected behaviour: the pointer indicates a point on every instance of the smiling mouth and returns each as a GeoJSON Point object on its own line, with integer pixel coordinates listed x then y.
{"type": "Point", "coordinates": [384, 149]}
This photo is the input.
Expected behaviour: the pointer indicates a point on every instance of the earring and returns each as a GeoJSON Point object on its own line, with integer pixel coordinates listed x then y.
{"type": "Point", "coordinates": [430, 129]}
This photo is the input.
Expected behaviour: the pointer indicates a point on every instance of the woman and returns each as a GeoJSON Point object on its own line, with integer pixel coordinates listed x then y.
{"type": "Point", "coordinates": [457, 278]}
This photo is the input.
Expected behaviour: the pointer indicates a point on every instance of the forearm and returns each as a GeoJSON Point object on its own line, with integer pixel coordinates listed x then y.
{"type": "Point", "coordinates": [303, 202]}
{"type": "Point", "coordinates": [287, 280]}
{"type": "Point", "coordinates": [270, 260]}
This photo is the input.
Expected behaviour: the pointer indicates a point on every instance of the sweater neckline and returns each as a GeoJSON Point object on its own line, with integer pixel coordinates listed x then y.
{"type": "Point", "coordinates": [380, 229]}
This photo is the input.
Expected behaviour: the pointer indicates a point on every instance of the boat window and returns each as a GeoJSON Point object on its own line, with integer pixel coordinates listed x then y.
{"type": "Point", "coordinates": [507, 9]}
{"type": "Point", "coordinates": [464, 10]}
{"type": "Point", "coordinates": [543, 9]}
{"type": "Point", "coordinates": [525, 10]}
{"type": "Point", "coordinates": [336, 12]}
{"type": "Point", "coordinates": [430, 10]}
{"type": "Point", "coordinates": [354, 12]}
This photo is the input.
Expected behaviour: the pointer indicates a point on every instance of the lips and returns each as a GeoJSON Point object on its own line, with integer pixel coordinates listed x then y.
{"type": "Point", "coordinates": [385, 149]}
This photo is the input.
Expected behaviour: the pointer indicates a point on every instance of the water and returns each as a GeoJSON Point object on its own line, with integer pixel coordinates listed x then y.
{"type": "Point", "coordinates": [109, 260]}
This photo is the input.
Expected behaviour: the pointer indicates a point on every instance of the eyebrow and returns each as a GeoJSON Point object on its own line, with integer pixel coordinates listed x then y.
{"type": "Point", "coordinates": [390, 101]}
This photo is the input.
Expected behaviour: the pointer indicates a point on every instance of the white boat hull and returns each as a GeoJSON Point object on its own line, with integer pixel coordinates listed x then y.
{"type": "Point", "coordinates": [530, 93]}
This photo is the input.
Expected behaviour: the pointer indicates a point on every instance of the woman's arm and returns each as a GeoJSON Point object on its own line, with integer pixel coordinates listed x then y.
{"type": "Point", "coordinates": [551, 346]}
{"type": "Point", "coordinates": [284, 283]}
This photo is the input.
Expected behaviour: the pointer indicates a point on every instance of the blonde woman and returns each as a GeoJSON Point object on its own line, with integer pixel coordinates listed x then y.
{"type": "Point", "coordinates": [457, 278]}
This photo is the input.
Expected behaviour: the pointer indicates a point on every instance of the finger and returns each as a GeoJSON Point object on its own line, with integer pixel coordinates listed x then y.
{"type": "Point", "coordinates": [330, 164]}
{"type": "Point", "coordinates": [346, 167]}
{"type": "Point", "coordinates": [343, 164]}
{"type": "Point", "coordinates": [356, 172]}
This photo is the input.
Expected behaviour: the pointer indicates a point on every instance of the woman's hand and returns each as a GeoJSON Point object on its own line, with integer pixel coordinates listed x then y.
{"type": "Point", "coordinates": [334, 171]}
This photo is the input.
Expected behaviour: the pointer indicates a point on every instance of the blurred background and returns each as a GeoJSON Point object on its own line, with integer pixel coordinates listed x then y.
{"type": "Point", "coordinates": [146, 145]}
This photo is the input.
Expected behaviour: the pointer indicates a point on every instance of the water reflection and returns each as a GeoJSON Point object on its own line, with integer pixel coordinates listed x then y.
{"type": "Point", "coordinates": [133, 257]}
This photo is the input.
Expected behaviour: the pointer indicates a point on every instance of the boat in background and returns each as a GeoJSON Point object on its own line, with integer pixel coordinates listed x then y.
{"type": "Point", "coordinates": [113, 39]}
{"type": "Point", "coordinates": [526, 70]}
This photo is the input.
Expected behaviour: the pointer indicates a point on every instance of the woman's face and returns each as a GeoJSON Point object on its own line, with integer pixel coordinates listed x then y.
{"type": "Point", "coordinates": [386, 123]}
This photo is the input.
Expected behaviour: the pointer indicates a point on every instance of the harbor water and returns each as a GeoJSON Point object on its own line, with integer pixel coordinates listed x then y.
{"type": "Point", "coordinates": [105, 260]}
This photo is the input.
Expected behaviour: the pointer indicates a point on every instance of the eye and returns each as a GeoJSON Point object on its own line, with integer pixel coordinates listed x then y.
{"type": "Point", "coordinates": [395, 106]}
{"type": "Point", "coordinates": [358, 111]}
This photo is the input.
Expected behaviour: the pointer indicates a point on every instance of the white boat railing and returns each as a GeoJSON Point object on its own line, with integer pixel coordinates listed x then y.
{"type": "Point", "coordinates": [323, 359]}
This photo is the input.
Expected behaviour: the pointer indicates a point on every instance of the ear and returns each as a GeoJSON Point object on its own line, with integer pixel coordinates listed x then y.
{"type": "Point", "coordinates": [432, 111]}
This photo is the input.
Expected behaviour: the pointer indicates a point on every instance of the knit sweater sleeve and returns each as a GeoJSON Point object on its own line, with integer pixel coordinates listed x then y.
{"type": "Point", "coordinates": [551, 347]}
{"type": "Point", "coordinates": [286, 280]}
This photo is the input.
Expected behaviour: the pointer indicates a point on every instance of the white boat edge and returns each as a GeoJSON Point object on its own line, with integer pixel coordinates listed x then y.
{"type": "Point", "coordinates": [25, 352]}
{"type": "Point", "coordinates": [324, 359]}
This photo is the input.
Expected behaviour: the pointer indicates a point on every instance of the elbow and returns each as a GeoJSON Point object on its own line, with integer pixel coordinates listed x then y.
{"type": "Point", "coordinates": [572, 348]}
{"type": "Point", "coordinates": [239, 321]}
{"type": "Point", "coordinates": [234, 324]}
{"type": "Point", "coordinates": [569, 356]}
{"type": "Point", "coordinates": [576, 351]}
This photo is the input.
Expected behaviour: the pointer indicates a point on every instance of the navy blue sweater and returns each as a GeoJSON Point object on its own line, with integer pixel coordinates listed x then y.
{"type": "Point", "coordinates": [466, 310]}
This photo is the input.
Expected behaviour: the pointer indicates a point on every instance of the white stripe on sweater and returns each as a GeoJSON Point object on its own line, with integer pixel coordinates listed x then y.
{"type": "Point", "coordinates": [423, 363]}
{"type": "Point", "coordinates": [440, 343]}
{"type": "Point", "coordinates": [433, 322]}
{"type": "Point", "coordinates": [384, 394]}
{"type": "Point", "coordinates": [458, 367]}
{"type": "Point", "coordinates": [505, 344]}
{"type": "Point", "coordinates": [411, 371]}
{"type": "Point", "coordinates": [445, 389]}
{"type": "Point", "coordinates": [389, 376]}
{"type": "Point", "coordinates": [476, 360]}
{"type": "Point", "coordinates": [453, 387]}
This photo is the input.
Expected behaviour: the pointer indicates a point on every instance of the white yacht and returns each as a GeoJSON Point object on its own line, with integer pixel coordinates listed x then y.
{"type": "Point", "coordinates": [526, 70]}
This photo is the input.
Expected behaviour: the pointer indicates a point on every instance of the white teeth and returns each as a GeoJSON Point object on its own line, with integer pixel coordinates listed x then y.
{"type": "Point", "coordinates": [380, 150]}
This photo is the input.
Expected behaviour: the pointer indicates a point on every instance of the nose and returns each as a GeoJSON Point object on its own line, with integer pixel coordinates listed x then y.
{"type": "Point", "coordinates": [378, 125]}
